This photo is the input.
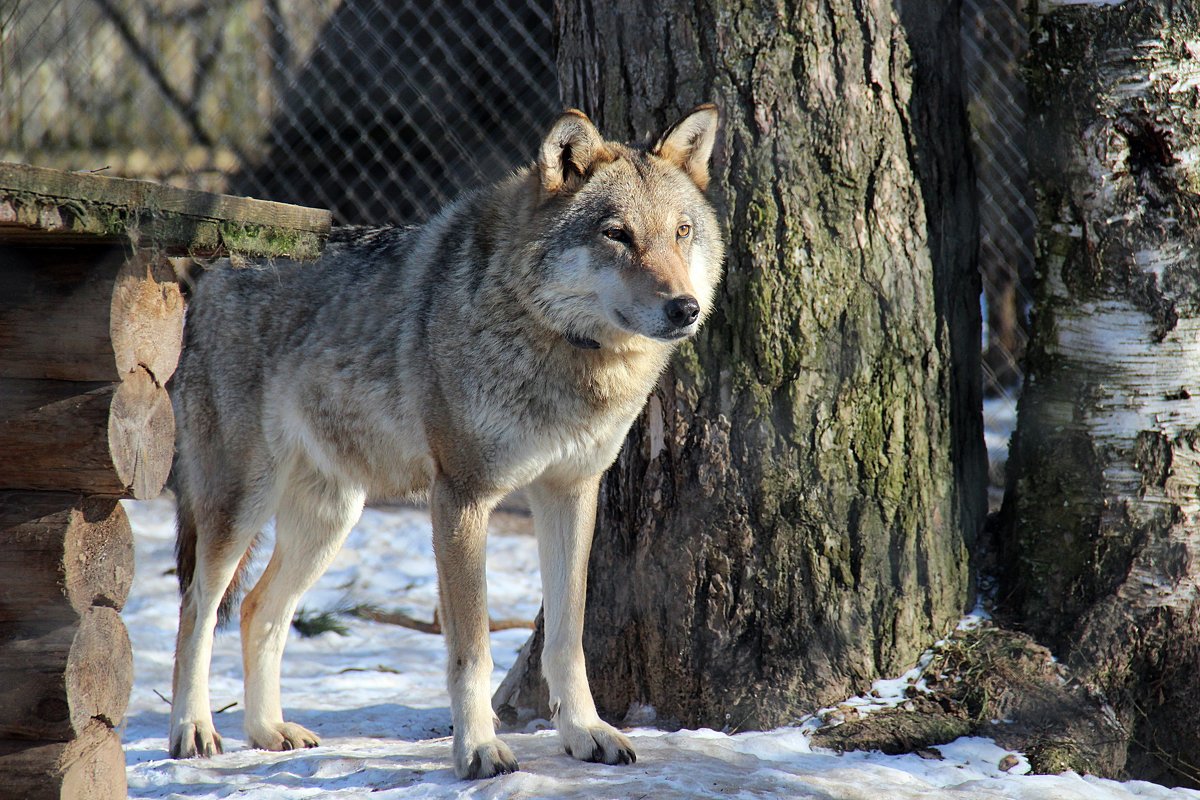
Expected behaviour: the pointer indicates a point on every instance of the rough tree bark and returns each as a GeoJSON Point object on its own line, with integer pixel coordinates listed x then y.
{"type": "Point", "coordinates": [791, 515]}
{"type": "Point", "coordinates": [1101, 526]}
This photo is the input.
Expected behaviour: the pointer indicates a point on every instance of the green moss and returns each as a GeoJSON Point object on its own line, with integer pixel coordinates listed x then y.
{"type": "Point", "coordinates": [270, 241]}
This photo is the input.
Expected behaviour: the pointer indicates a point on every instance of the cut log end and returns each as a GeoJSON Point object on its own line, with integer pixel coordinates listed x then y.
{"type": "Point", "coordinates": [89, 767]}
{"type": "Point", "coordinates": [114, 439]}
{"type": "Point", "coordinates": [146, 323]}
{"type": "Point", "coordinates": [88, 313]}
{"type": "Point", "coordinates": [60, 554]}
{"type": "Point", "coordinates": [141, 434]}
{"type": "Point", "coordinates": [53, 685]}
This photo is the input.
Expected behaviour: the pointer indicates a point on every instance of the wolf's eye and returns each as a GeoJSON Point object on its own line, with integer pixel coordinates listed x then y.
{"type": "Point", "coordinates": [683, 231]}
{"type": "Point", "coordinates": [617, 234]}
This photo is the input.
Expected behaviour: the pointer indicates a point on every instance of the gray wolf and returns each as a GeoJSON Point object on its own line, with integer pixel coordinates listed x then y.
{"type": "Point", "coordinates": [509, 342]}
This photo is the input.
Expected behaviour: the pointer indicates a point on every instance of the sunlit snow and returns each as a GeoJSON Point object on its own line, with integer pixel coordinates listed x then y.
{"type": "Point", "coordinates": [377, 697]}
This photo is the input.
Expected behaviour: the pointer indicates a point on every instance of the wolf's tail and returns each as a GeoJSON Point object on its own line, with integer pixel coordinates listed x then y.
{"type": "Point", "coordinates": [185, 557]}
{"type": "Point", "coordinates": [185, 535]}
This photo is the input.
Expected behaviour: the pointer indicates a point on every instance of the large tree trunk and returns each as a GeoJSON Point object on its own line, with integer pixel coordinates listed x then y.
{"type": "Point", "coordinates": [792, 513]}
{"type": "Point", "coordinates": [1101, 529]}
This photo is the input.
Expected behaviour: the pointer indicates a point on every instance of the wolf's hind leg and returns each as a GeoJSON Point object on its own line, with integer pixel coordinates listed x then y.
{"type": "Point", "coordinates": [311, 524]}
{"type": "Point", "coordinates": [220, 545]}
{"type": "Point", "coordinates": [564, 515]}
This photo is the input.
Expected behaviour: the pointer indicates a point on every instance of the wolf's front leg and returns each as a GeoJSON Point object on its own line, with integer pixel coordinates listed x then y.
{"type": "Point", "coordinates": [459, 539]}
{"type": "Point", "coordinates": [564, 517]}
{"type": "Point", "coordinates": [192, 732]}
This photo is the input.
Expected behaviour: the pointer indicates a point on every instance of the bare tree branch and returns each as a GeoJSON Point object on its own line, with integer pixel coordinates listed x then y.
{"type": "Point", "coordinates": [185, 108]}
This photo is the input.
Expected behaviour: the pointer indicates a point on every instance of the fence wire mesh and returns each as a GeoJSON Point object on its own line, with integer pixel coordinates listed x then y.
{"type": "Point", "coordinates": [378, 110]}
{"type": "Point", "coordinates": [383, 110]}
{"type": "Point", "coordinates": [995, 38]}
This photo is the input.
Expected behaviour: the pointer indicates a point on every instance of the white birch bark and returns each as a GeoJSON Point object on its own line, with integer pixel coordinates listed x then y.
{"type": "Point", "coordinates": [1101, 527]}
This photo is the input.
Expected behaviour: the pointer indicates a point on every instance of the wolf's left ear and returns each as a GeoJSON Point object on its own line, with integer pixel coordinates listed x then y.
{"type": "Point", "coordinates": [688, 144]}
{"type": "Point", "coordinates": [569, 150]}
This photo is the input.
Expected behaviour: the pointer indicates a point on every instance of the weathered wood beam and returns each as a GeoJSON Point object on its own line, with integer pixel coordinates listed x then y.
{"type": "Point", "coordinates": [66, 665]}
{"type": "Point", "coordinates": [88, 767]}
{"type": "Point", "coordinates": [56, 677]}
{"type": "Point", "coordinates": [88, 313]}
{"type": "Point", "coordinates": [46, 204]}
{"type": "Point", "coordinates": [61, 554]}
{"type": "Point", "coordinates": [66, 567]}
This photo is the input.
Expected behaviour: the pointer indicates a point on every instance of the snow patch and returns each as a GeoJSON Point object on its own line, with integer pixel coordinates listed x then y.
{"type": "Point", "coordinates": [377, 696]}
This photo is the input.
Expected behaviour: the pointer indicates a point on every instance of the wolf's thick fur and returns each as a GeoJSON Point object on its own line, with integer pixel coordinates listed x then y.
{"type": "Point", "coordinates": [509, 342]}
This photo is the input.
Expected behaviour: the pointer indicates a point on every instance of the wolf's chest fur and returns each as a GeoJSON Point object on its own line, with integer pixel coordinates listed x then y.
{"type": "Point", "coordinates": [570, 416]}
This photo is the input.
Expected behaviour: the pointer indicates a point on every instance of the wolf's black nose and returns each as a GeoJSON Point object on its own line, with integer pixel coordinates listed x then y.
{"type": "Point", "coordinates": [683, 310]}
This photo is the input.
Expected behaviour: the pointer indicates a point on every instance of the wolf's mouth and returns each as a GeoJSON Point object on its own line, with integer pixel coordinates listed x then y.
{"type": "Point", "coordinates": [676, 334]}
{"type": "Point", "coordinates": [662, 334]}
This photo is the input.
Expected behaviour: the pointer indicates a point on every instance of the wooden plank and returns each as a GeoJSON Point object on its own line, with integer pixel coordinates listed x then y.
{"type": "Point", "coordinates": [131, 194]}
{"type": "Point", "coordinates": [88, 313]}
{"type": "Point", "coordinates": [71, 204]}
{"type": "Point", "coordinates": [89, 767]}
{"type": "Point", "coordinates": [115, 439]}
{"type": "Point", "coordinates": [60, 554]}
{"type": "Point", "coordinates": [55, 678]}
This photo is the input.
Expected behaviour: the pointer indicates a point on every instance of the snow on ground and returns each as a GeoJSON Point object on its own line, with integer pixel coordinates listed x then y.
{"type": "Point", "coordinates": [377, 697]}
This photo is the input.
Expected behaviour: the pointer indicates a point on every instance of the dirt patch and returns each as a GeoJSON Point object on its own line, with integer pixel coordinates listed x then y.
{"type": "Point", "coordinates": [921, 723]}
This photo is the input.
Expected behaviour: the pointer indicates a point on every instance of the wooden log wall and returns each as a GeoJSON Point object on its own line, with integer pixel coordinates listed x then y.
{"type": "Point", "coordinates": [90, 332]}
{"type": "Point", "coordinates": [91, 325]}
{"type": "Point", "coordinates": [89, 335]}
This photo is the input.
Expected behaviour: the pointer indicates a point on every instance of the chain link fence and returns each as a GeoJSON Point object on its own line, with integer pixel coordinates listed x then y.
{"type": "Point", "coordinates": [378, 110]}
{"type": "Point", "coordinates": [383, 110]}
{"type": "Point", "coordinates": [995, 38]}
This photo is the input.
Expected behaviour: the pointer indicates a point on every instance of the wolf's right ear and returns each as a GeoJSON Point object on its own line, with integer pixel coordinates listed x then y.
{"type": "Point", "coordinates": [569, 150]}
{"type": "Point", "coordinates": [688, 144]}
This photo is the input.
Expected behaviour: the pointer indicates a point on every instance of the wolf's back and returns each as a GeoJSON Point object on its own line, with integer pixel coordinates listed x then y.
{"type": "Point", "coordinates": [243, 325]}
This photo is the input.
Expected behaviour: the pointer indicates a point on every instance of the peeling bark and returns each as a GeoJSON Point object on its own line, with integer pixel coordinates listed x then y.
{"type": "Point", "coordinates": [791, 516]}
{"type": "Point", "coordinates": [1101, 525]}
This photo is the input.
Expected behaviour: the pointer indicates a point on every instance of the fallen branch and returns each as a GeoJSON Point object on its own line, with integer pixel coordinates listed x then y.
{"type": "Point", "coordinates": [405, 621]}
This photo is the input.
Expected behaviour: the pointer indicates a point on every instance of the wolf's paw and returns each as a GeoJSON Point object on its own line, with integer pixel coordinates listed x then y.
{"type": "Point", "coordinates": [282, 736]}
{"type": "Point", "coordinates": [195, 739]}
{"type": "Point", "coordinates": [484, 761]}
{"type": "Point", "coordinates": [599, 742]}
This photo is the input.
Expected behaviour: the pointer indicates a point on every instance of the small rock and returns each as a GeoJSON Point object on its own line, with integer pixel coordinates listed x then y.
{"type": "Point", "coordinates": [931, 753]}
{"type": "Point", "coordinates": [1008, 762]}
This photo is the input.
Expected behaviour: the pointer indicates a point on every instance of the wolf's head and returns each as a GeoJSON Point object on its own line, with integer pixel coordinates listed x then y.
{"type": "Point", "coordinates": [630, 246]}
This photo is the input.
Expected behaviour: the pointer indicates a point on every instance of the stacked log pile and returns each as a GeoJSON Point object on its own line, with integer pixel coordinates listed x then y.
{"type": "Point", "coordinates": [89, 335]}
{"type": "Point", "coordinates": [66, 667]}
{"type": "Point", "coordinates": [91, 326]}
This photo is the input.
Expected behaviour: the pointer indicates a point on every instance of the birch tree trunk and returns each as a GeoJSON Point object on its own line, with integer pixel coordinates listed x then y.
{"type": "Point", "coordinates": [791, 516]}
{"type": "Point", "coordinates": [1101, 528]}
